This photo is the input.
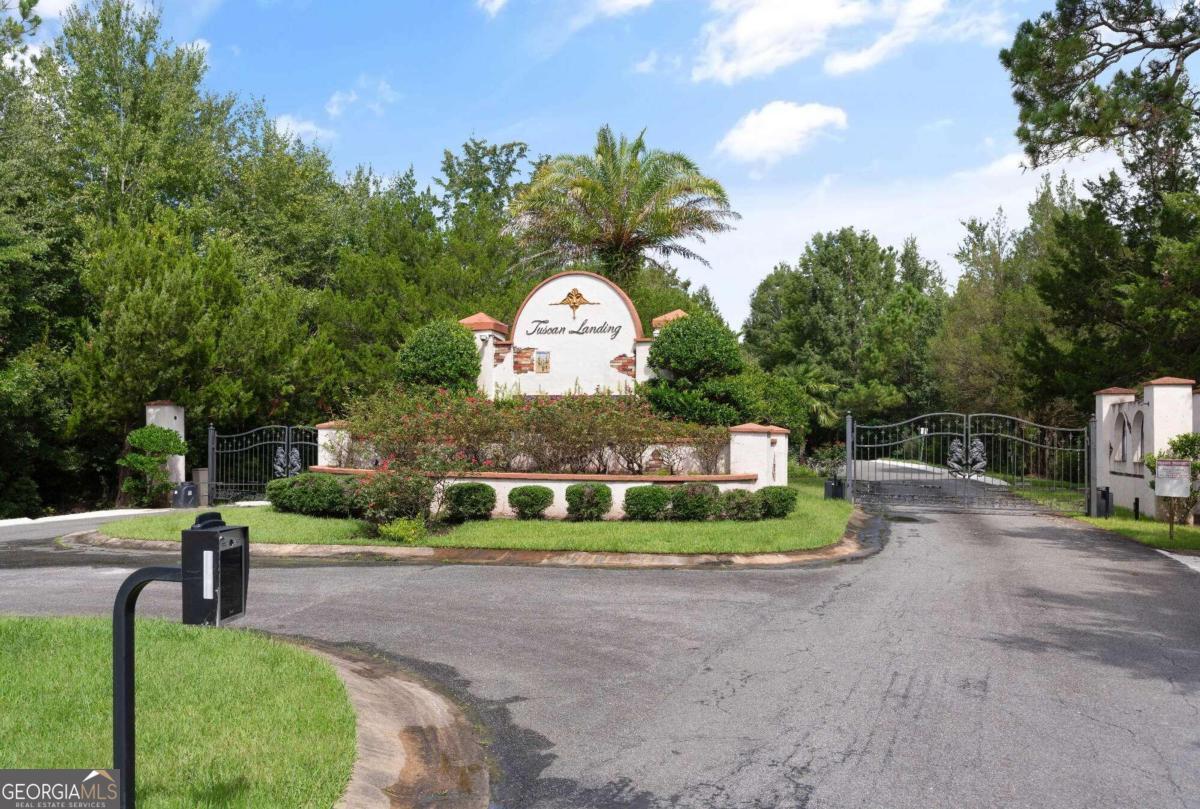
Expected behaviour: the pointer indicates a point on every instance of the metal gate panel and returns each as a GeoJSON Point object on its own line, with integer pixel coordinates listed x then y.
{"type": "Point", "coordinates": [969, 462]}
{"type": "Point", "coordinates": [240, 465]}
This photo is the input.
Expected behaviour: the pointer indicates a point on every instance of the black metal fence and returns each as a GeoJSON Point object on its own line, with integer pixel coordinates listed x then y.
{"type": "Point", "coordinates": [978, 461]}
{"type": "Point", "coordinates": [241, 464]}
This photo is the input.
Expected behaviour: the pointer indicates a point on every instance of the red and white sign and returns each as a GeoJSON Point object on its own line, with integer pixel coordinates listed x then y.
{"type": "Point", "coordinates": [1173, 478]}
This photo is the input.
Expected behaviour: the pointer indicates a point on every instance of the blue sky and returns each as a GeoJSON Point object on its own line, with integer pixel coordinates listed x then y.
{"type": "Point", "coordinates": [893, 115]}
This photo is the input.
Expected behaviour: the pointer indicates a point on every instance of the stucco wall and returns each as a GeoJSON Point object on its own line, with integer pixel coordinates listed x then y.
{"type": "Point", "coordinates": [555, 348]}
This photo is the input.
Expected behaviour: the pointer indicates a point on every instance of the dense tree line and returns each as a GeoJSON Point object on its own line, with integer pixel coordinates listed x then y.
{"type": "Point", "coordinates": [160, 241]}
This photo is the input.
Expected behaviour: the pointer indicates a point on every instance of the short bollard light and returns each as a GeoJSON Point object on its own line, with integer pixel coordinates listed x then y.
{"type": "Point", "coordinates": [215, 575]}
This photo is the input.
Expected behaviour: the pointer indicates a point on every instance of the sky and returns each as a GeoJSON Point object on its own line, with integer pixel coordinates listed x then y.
{"type": "Point", "coordinates": [890, 115]}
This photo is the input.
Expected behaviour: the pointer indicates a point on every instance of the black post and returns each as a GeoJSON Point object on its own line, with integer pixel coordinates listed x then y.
{"type": "Point", "coordinates": [123, 674]}
{"type": "Point", "coordinates": [1137, 508]}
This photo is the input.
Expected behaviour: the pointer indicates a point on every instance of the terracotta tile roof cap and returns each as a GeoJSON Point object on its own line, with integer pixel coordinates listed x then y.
{"type": "Point", "coordinates": [159, 403]}
{"type": "Point", "coordinates": [1171, 380]}
{"type": "Point", "coordinates": [332, 425]}
{"type": "Point", "coordinates": [751, 427]}
{"type": "Point", "coordinates": [663, 320]}
{"type": "Point", "coordinates": [481, 321]}
{"type": "Point", "coordinates": [1115, 392]}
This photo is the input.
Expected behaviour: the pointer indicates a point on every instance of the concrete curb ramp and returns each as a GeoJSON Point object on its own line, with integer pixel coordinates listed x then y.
{"type": "Point", "coordinates": [415, 747]}
{"type": "Point", "coordinates": [859, 541]}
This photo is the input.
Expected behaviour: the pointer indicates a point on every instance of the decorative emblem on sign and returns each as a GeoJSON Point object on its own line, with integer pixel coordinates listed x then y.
{"type": "Point", "coordinates": [973, 464]}
{"type": "Point", "coordinates": [575, 299]}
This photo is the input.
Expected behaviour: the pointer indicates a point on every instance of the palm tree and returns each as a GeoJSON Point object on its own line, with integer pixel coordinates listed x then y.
{"type": "Point", "coordinates": [621, 206]}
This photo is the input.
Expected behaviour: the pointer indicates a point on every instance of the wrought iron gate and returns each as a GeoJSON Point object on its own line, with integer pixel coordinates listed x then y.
{"type": "Point", "coordinates": [241, 464]}
{"type": "Point", "coordinates": [968, 462]}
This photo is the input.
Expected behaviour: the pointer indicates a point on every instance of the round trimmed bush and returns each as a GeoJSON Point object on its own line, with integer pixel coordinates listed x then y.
{"type": "Point", "coordinates": [469, 501]}
{"type": "Point", "coordinates": [588, 501]}
{"type": "Point", "coordinates": [530, 502]}
{"type": "Point", "coordinates": [777, 501]}
{"type": "Point", "coordinates": [387, 496]}
{"type": "Point", "coordinates": [441, 354]}
{"type": "Point", "coordinates": [739, 504]}
{"type": "Point", "coordinates": [406, 530]}
{"type": "Point", "coordinates": [696, 348]}
{"type": "Point", "coordinates": [311, 493]}
{"type": "Point", "coordinates": [647, 502]}
{"type": "Point", "coordinates": [694, 501]}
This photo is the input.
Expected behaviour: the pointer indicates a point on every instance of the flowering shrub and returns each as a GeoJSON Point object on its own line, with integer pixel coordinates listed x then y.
{"type": "Point", "coordinates": [443, 433]}
{"type": "Point", "coordinates": [388, 496]}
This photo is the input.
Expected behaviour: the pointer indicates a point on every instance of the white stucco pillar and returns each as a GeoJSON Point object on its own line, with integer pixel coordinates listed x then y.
{"type": "Point", "coordinates": [759, 449]}
{"type": "Point", "coordinates": [1169, 402]}
{"type": "Point", "coordinates": [167, 414]}
{"type": "Point", "coordinates": [333, 438]}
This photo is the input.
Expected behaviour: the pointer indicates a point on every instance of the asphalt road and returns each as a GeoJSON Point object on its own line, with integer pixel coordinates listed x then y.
{"type": "Point", "coordinates": [978, 661]}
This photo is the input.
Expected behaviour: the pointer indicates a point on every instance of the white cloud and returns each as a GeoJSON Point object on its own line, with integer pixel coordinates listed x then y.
{"type": "Point", "coordinates": [777, 223]}
{"type": "Point", "coordinates": [201, 43]}
{"type": "Point", "coordinates": [339, 101]}
{"type": "Point", "coordinates": [750, 38]}
{"type": "Point", "coordinates": [599, 9]}
{"type": "Point", "coordinates": [52, 9]}
{"type": "Point", "coordinates": [779, 129]}
{"type": "Point", "coordinates": [913, 19]}
{"type": "Point", "coordinates": [303, 128]}
{"type": "Point", "coordinates": [491, 7]}
{"type": "Point", "coordinates": [648, 64]}
{"type": "Point", "coordinates": [757, 37]}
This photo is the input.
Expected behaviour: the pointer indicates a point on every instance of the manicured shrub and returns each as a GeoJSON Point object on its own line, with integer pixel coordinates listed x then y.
{"type": "Point", "coordinates": [469, 501]}
{"type": "Point", "coordinates": [530, 502]}
{"type": "Point", "coordinates": [647, 502]}
{"type": "Point", "coordinates": [696, 348]}
{"type": "Point", "coordinates": [588, 501]}
{"type": "Point", "coordinates": [149, 448]}
{"type": "Point", "coordinates": [714, 401]}
{"type": "Point", "coordinates": [441, 354]}
{"type": "Point", "coordinates": [777, 501]}
{"type": "Point", "coordinates": [694, 501]}
{"type": "Point", "coordinates": [739, 504]}
{"type": "Point", "coordinates": [311, 493]}
{"type": "Point", "coordinates": [387, 496]}
{"type": "Point", "coordinates": [405, 530]}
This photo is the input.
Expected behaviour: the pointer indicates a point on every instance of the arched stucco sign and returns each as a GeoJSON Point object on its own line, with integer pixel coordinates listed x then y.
{"type": "Point", "coordinates": [575, 332]}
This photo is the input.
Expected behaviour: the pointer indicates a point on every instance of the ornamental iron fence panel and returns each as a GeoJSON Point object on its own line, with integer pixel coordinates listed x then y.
{"type": "Point", "coordinates": [969, 462]}
{"type": "Point", "coordinates": [240, 465]}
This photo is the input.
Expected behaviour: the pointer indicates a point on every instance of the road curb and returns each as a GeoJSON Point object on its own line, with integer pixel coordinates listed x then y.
{"type": "Point", "coordinates": [863, 537]}
{"type": "Point", "coordinates": [415, 747]}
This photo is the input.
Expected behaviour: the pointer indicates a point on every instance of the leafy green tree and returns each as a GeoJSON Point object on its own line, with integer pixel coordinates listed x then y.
{"type": "Point", "coordinates": [1093, 74]}
{"type": "Point", "coordinates": [978, 351]}
{"type": "Point", "coordinates": [135, 130]}
{"type": "Point", "coordinates": [620, 207]}
{"type": "Point", "coordinates": [39, 461]}
{"type": "Point", "coordinates": [852, 314]}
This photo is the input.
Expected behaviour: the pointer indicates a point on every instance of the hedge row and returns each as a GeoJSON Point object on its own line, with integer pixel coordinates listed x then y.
{"type": "Point", "coordinates": [385, 498]}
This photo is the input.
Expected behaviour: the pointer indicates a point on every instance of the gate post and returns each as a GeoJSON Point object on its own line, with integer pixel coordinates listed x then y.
{"type": "Point", "coordinates": [212, 463]}
{"type": "Point", "coordinates": [850, 456]}
{"type": "Point", "coordinates": [1090, 505]}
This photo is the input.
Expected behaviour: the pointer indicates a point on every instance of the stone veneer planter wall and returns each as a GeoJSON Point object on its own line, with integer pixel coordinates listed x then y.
{"type": "Point", "coordinates": [504, 482]}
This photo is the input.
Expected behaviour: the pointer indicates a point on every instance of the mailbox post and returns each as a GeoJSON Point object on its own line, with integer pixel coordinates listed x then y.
{"type": "Point", "coordinates": [214, 575]}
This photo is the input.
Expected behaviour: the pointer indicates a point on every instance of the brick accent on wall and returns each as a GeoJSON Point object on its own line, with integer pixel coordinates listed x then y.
{"type": "Point", "coordinates": [501, 352]}
{"type": "Point", "coordinates": [523, 360]}
{"type": "Point", "coordinates": [626, 364]}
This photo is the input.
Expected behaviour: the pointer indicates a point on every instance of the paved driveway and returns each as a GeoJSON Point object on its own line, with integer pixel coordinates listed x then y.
{"type": "Point", "coordinates": [978, 661]}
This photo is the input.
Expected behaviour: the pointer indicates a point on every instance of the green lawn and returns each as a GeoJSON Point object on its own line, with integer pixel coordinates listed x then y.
{"type": "Point", "coordinates": [1148, 531]}
{"type": "Point", "coordinates": [266, 525]}
{"type": "Point", "coordinates": [815, 523]}
{"type": "Point", "coordinates": [225, 717]}
{"type": "Point", "coordinates": [1059, 495]}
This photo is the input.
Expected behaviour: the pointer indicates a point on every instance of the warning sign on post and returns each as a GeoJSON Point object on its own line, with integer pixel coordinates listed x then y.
{"type": "Point", "coordinates": [1173, 478]}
